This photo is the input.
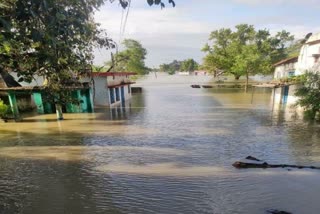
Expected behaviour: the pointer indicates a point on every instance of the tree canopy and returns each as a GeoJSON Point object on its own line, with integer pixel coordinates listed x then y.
{"type": "Point", "coordinates": [52, 38]}
{"type": "Point", "coordinates": [132, 58]}
{"type": "Point", "coordinates": [189, 65]}
{"type": "Point", "coordinates": [171, 67]}
{"type": "Point", "coordinates": [245, 51]}
{"type": "Point", "coordinates": [309, 94]}
{"type": "Point", "coordinates": [176, 65]}
{"type": "Point", "coordinates": [49, 38]}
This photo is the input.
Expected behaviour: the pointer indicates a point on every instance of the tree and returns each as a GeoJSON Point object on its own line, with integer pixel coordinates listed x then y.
{"type": "Point", "coordinates": [294, 49]}
{"type": "Point", "coordinates": [52, 38]}
{"type": "Point", "coordinates": [309, 94]}
{"type": "Point", "coordinates": [245, 51]}
{"type": "Point", "coordinates": [131, 59]}
{"type": "Point", "coordinates": [172, 67]}
{"type": "Point", "coordinates": [189, 65]}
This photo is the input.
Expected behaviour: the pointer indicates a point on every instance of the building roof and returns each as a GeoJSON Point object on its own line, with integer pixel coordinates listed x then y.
{"type": "Point", "coordinates": [314, 39]}
{"type": "Point", "coordinates": [287, 61]}
{"type": "Point", "coordinates": [107, 74]}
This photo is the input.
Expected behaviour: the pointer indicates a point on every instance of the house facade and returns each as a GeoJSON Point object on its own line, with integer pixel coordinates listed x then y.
{"type": "Point", "coordinates": [309, 57]}
{"type": "Point", "coordinates": [286, 68]}
{"type": "Point", "coordinates": [111, 88]}
{"type": "Point", "coordinates": [307, 61]}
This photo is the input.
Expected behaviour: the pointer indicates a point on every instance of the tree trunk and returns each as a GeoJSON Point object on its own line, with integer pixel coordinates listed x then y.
{"type": "Point", "coordinates": [59, 112]}
{"type": "Point", "coordinates": [247, 81]}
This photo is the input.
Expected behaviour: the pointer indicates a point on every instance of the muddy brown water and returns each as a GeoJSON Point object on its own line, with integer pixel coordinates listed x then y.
{"type": "Point", "coordinates": [169, 151]}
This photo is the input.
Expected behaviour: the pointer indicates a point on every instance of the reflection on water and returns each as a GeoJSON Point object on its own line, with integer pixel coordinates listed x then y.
{"type": "Point", "coordinates": [169, 150]}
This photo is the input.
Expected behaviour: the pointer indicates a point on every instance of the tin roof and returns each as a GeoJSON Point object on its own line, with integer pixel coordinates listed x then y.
{"type": "Point", "coordinates": [287, 61]}
{"type": "Point", "coordinates": [107, 74]}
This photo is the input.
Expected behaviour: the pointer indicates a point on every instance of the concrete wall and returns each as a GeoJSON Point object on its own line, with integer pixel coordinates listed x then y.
{"type": "Point", "coordinates": [306, 60]}
{"type": "Point", "coordinates": [116, 80]}
{"type": "Point", "coordinates": [286, 96]}
{"type": "Point", "coordinates": [101, 91]}
{"type": "Point", "coordinates": [285, 70]}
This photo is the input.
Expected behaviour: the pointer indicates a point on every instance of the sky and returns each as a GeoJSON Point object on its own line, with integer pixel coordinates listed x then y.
{"type": "Point", "coordinates": [181, 32]}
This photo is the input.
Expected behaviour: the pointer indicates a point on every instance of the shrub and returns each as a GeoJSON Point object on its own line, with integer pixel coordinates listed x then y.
{"type": "Point", "coordinates": [3, 109]}
{"type": "Point", "coordinates": [309, 95]}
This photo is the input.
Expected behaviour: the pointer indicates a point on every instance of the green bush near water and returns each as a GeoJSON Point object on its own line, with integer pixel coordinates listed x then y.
{"type": "Point", "coordinates": [3, 109]}
{"type": "Point", "coordinates": [309, 95]}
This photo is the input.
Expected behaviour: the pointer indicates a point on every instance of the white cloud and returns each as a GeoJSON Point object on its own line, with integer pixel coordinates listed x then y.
{"type": "Point", "coordinates": [180, 32]}
{"type": "Point", "coordinates": [169, 32]}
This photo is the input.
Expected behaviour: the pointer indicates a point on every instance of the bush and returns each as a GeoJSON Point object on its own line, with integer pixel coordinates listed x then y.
{"type": "Point", "coordinates": [3, 109]}
{"type": "Point", "coordinates": [309, 95]}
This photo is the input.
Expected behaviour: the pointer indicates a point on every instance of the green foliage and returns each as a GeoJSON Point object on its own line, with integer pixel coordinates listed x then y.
{"type": "Point", "coordinates": [172, 67]}
{"type": "Point", "coordinates": [3, 109]}
{"type": "Point", "coordinates": [131, 59]}
{"type": "Point", "coordinates": [50, 38]}
{"type": "Point", "coordinates": [294, 49]}
{"type": "Point", "coordinates": [189, 65]}
{"type": "Point", "coordinates": [54, 39]}
{"type": "Point", "coordinates": [96, 68]}
{"type": "Point", "coordinates": [309, 95]}
{"type": "Point", "coordinates": [245, 51]}
{"type": "Point", "coordinates": [185, 65]}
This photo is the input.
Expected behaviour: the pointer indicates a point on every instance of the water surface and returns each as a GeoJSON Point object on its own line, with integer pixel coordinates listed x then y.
{"type": "Point", "coordinates": [170, 151]}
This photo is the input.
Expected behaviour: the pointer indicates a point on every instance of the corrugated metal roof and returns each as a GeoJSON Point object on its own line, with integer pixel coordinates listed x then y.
{"type": "Point", "coordinates": [106, 74]}
{"type": "Point", "coordinates": [287, 61]}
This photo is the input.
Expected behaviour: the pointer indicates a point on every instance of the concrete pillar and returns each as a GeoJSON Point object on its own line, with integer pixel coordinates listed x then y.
{"type": "Point", "coordinates": [59, 112]}
{"type": "Point", "coordinates": [89, 100]}
{"type": "Point", "coordinates": [14, 105]}
{"type": "Point", "coordinates": [73, 107]}
{"type": "Point", "coordinates": [37, 97]}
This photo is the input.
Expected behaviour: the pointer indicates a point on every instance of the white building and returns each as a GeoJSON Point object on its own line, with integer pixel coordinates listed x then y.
{"type": "Point", "coordinates": [309, 57]}
{"type": "Point", "coordinates": [111, 88]}
{"type": "Point", "coordinates": [286, 68]}
{"type": "Point", "coordinates": [308, 60]}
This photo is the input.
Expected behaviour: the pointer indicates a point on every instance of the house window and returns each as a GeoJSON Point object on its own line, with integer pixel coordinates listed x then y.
{"type": "Point", "coordinates": [291, 73]}
{"type": "Point", "coordinates": [117, 94]}
{"type": "Point", "coordinates": [111, 95]}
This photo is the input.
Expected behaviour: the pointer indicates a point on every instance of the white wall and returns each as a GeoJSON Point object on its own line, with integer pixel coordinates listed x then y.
{"type": "Point", "coordinates": [291, 98]}
{"type": "Point", "coordinates": [101, 93]}
{"type": "Point", "coordinates": [116, 80]}
{"type": "Point", "coordinates": [306, 60]}
{"type": "Point", "coordinates": [282, 71]}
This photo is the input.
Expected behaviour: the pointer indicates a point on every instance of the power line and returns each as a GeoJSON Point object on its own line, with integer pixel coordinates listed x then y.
{"type": "Point", "coordinates": [126, 19]}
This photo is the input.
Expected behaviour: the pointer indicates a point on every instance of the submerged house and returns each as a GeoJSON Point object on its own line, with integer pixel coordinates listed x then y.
{"type": "Point", "coordinates": [34, 96]}
{"type": "Point", "coordinates": [111, 88]}
{"type": "Point", "coordinates": [286, 68]}
{"type": "Point", "coordinates": [307, 61]}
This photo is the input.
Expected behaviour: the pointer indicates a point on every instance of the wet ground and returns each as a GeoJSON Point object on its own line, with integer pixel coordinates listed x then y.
{"type": "Point", "coordinates": [169, 151]}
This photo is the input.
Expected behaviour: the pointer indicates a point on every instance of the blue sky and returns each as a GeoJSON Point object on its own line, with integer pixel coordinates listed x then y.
{"type": "Point", "coordinates": [181, 32]}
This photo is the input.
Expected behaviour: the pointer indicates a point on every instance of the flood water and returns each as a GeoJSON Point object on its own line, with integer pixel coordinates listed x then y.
{"type": "Point", "coordinates": [170, 151]}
